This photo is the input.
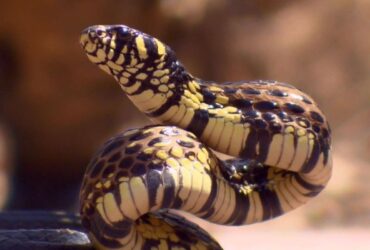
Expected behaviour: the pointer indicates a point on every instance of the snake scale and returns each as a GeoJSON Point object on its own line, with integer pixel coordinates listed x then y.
{"type": "Point", "coordinates": [277, 139]}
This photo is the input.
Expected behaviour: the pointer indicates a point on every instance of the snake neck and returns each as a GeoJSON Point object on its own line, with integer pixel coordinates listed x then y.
{"type": "Point", "coordinates": [157, 89]}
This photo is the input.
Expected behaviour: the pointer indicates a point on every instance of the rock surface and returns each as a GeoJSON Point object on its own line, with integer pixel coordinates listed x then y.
{"type": "Point", "coordinates": [42, 230]}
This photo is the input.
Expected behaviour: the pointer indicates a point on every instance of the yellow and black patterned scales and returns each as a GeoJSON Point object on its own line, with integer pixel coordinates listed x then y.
{"type": "Point", "coordinates": [277, 136]}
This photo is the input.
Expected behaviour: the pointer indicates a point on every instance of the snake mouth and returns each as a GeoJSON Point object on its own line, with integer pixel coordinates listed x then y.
{"type": "Point", "coordinates": [91, 36]}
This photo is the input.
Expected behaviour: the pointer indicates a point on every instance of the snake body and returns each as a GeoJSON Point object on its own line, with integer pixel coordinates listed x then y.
{"type": "Point", "coordinates": [277, 137]}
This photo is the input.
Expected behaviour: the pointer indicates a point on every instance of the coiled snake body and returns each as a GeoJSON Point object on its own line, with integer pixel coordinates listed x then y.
{"type": "Point", "coordinates": [278, 137]}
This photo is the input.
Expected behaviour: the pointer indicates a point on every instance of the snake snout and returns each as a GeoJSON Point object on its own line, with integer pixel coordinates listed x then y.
{"type": "Point", "coordinates": [97, 35]}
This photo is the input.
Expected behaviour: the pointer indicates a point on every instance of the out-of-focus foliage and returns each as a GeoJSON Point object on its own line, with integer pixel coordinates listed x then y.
{"type": "Point", "coordinates": [59, 107]}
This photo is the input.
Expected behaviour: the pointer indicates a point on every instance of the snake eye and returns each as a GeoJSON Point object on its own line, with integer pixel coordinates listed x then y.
{"type": "Point", "coordinates": [122, 32]}
{"type": "Point", "coordinates": [100, 33]}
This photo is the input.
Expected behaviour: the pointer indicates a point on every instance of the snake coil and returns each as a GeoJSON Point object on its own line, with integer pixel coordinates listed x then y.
{"type": "Point", "coordinates": [276, 137]}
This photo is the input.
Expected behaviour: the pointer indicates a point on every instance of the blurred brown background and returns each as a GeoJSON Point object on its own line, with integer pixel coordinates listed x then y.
{"type": "Point", "coordinates": [56, 108]}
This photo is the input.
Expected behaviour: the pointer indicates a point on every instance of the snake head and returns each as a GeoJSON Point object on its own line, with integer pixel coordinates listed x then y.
{"type": "Point", "coordinates": [128, 54]}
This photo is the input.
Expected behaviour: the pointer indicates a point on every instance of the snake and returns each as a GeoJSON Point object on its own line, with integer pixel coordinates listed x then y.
{"type": "Point", "coordinates": [232, 153]}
